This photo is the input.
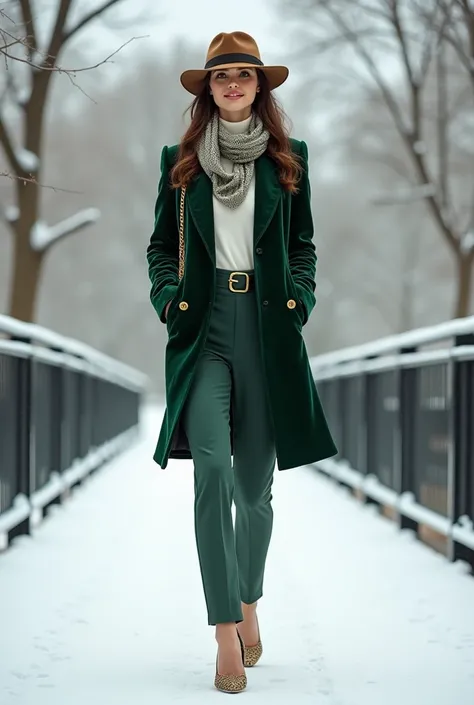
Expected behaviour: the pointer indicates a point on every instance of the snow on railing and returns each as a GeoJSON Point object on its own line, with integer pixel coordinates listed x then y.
{"type": "Point", "coordinates": [35, 336]}
{"type": "Point", "coordinates": [394, 343]}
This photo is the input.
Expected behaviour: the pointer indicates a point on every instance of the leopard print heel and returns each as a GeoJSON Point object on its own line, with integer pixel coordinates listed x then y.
{"type": "Point", "coordinates": [252, 654]}
{"type": "Point", "coordinates": [231, 683]}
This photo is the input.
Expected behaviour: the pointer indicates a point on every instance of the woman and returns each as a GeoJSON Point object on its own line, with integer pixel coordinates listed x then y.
{"type": "Point", "coordinates": [232, 268]}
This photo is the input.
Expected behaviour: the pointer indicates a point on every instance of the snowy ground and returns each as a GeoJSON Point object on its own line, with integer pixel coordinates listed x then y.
{"type": "Point", "coordinates": [104, 605]}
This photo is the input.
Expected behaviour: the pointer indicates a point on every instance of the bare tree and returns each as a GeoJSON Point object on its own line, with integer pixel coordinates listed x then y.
{"type": "Point", "coordinates": [26, 97]}
{"type": "Point", "coordinates": [119, 142]}
{"type": "Point", "coordinates": [426, 37]}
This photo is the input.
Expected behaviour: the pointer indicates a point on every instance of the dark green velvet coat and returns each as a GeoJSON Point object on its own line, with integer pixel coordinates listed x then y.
{"type": "Point", "coordinates": [285, 267]}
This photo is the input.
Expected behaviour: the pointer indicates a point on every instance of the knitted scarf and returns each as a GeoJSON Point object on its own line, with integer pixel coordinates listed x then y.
{"type": "Point", "coordinates": [242, 150]}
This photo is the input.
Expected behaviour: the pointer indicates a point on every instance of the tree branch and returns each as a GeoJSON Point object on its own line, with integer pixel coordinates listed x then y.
{"type": "Point", "coordinates": [9, 86]}
{"type": "Point", "coordinates": [388, 160]}
{"type": "Point", "coordinates": [413, 84]}
{"type": "Point", "coordinates": [57, 36]}
{"type": "Point", "coordinates": [32, 180]}
{"type": "Point", "coordinates": [411, 136]}
{"type": "Point", "coordinates": [60, 69]}
{"type": "Point", "coordinates": [405, 195]}
{"type": "Point", "coordinates": [442, 125]}
{"type": "Point", "coordinates": [468, 12]}
{"type": "Point", "coordinates": [332, 42]}
{"type": "Point", "coordinates": [433, 202]}
{"type": "Point", "coordinates": [427, 52]}
{"type": "Point", "coordinates": [6, 142]}
{"type": "Point", "coordinates": [87, 18]}
{"type": "Point", "coordinates": [43, 237]}
{"type": "Point", "coordinates": [30, 26]}
{"type": "Point", "coordinates": [370, 64]}
{"type": "Point", "coordinates": [396, 23]}
{"type": "Point", "coordinates": [449, 29]}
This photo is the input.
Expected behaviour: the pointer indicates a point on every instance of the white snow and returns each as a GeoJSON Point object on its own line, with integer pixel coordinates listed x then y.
{"type": "Point", "coordinates": [419, 147]}
{"type": "Point", "coordinates": [103, 364]}
{"type": "Point", "coordinates": [392, 343]}
{"type": "Point", "coordinates": [39, 236]}
{"type": "Point", "coordinates": [23, 94]}
{"type": "Point", "coordinates": [104, 604]}
{"type": "Point", "coordinates": [467, 242]}
{"type": "Point", "coordinates": [37, 60]}
{"type": "Point", "coordinates": [43, 235]}
{"type": "Point", "coordinates": [12, 213]}
{"type": "Point", "coordinates": [27, 160]}
{"type": "Point", "coordinates": [79, 220]}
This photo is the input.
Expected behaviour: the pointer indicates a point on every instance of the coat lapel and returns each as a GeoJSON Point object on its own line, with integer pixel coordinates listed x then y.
{"type": "Point", "coordinates": [267, 194]}
{"type": "Point", "coordinates": [199, 195]}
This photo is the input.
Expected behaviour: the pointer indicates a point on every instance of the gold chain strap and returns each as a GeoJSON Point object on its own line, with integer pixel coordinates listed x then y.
{"type": "Point", "coordinates": [181, 234]}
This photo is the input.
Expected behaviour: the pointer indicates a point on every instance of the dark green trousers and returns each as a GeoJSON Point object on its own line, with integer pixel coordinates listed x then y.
{"type": "Point", "coordinates": [229, 384]}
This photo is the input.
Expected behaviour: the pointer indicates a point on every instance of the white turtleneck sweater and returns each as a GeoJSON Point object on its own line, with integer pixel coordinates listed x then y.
{"type": "Point", "coordinates": [234, 227]}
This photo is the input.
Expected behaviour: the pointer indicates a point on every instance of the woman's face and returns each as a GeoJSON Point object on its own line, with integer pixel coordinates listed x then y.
{"type": "Point", "coordinates": [234, 92]}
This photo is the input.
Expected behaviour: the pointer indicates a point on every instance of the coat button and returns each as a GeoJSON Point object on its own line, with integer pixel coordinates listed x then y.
{"type": "Point", "coordinates": [265, 303]}
{"type": "Point", "coordinates": [291, 303]}
{"type": "Point", "coordinates": [259, 251]}
{"type": "Point", "coordinates": [184, 305]}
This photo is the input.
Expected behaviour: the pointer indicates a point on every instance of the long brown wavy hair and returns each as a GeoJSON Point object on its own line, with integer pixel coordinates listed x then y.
{"type": "Point", "coordinates": [273, 117]}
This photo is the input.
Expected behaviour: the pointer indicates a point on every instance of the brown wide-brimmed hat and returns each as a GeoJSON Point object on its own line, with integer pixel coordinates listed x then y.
{"type": "Point", "coordinates": [228, 51]}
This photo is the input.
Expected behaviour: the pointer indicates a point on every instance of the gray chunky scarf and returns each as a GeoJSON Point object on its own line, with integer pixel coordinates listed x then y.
{"type": "Point", "coordinates": [242, 150]}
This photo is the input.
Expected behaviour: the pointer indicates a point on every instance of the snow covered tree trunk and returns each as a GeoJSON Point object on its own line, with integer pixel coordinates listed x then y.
{"type": "Point", "coordinates": [25, 281]}
{"type": "Point", "coordinates": [464, 285]}
{"type": "Point", "coordinates": [26, 261]}
{"type": "Point", "coordinates": [32, 237]}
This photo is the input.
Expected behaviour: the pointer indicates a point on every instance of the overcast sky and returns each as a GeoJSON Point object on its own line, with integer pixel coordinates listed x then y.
{"type": "Point", "coordinates": [196, 20]}
{"type": "Point", "coordinates": [200, 20]}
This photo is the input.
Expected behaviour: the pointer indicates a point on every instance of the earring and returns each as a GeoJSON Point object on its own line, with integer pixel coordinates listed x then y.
{"type": "Point", "coordinates": [258, 89]}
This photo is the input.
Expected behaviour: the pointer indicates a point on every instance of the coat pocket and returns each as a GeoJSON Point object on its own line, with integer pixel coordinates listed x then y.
{"type": "Point", "coordinates": [171, 312]}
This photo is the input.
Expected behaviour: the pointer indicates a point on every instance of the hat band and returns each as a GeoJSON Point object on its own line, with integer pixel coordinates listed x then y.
{"type": "Point", "coordinates": [233, 59]}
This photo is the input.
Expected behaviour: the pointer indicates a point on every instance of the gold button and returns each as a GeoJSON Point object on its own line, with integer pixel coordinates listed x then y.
{"type": "Point", "coordinates": [291, 303]}
{"type": "Point", "coordinates": [184, 305]}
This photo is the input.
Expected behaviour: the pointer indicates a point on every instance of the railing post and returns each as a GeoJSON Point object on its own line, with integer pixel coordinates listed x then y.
{"type": "Point", "coordinates": [460, 481]}
{"type": "Point", "coordinates": [406, 450]}
{"type": "Point", "coordinates": [25, 423]}
{"type": "Point", "coordinates": [363, 454]}
{"type": "Point", "coordinates": [55, 380]}
{"type": "Point", "coordinates": [22, 425]}
{"type": "Point", "coordinates": [85, 413]}
{"type": "Point", "coordinates": [368, 467]}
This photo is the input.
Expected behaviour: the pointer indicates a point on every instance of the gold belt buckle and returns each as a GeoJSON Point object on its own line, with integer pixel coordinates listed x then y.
{"type": "Point", "coordinates": [235, 281]}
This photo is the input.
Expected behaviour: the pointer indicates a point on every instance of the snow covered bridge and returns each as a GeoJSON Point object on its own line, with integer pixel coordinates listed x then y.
{"type": "Point", "coordinates": [102, 601]}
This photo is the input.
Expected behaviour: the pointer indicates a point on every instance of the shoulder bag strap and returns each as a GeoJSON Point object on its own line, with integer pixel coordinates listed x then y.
{"type": "Point", "coordinates": [181, 234]}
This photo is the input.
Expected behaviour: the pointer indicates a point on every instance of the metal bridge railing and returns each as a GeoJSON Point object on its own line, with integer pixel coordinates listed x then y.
{"type": "Point", "coordinates": [402, 412]}
{"type": "Point", "coordinates": [65, 409]}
